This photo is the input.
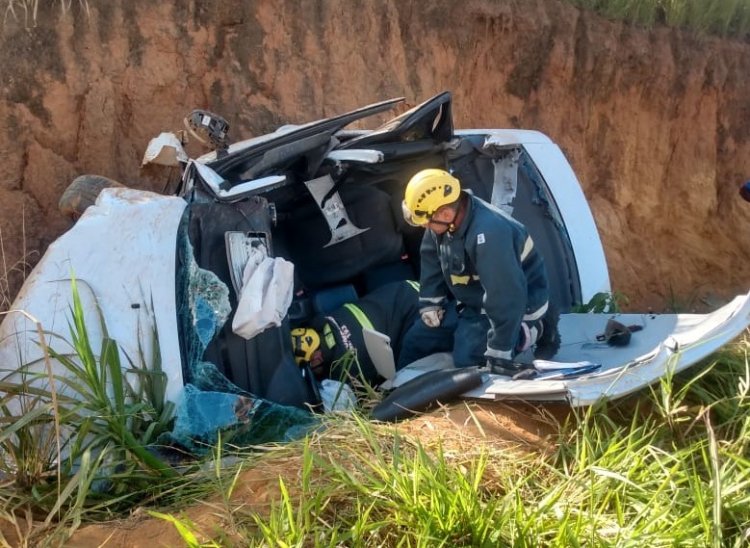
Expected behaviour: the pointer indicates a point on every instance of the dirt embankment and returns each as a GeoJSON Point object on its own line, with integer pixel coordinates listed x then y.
{"type": "Point", "coordinates": [514, 430]}
{"type": "Point", "coordinates": [654, 122]}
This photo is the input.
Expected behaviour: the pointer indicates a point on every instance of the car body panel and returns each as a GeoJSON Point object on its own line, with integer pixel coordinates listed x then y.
{"type": "Point", "coordinates": [579, 221]}
{"type": "Point", "coordinates": [251, 150]}
{"type": "Point", "coordinates": [569, 197]}
{"type": "Point", "coordinates": [667, 343]}
{"type": "Point", "coordinates": [121, 286]}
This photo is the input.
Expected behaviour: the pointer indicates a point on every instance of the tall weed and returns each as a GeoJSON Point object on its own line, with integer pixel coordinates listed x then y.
{"type": "Point", "coordinates": [108, 416]}
{"type": "Point", "coordinates": [13, 272]}
{"type": "Point", "coordinates": [108, 406]}
{"type": "Point", "coordinates": [669, 469]}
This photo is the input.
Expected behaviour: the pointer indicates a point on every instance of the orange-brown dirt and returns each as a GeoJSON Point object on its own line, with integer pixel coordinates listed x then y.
{"type": "Point", "coordinates": [656, 124]}
{"type": "Point", "coordinates": [516, 428]}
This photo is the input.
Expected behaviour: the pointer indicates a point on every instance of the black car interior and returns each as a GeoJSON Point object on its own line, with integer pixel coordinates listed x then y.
{"type": "Point", "coordinates": [326, 276]}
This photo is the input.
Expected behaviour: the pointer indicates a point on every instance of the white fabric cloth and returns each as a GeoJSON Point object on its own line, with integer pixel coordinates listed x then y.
{"type": "Point", "coordinates": [166, 150]}
{"type": "Point", "coordinates": [337, 396]}
{"type": "Point", "coordinates": [267, 287]}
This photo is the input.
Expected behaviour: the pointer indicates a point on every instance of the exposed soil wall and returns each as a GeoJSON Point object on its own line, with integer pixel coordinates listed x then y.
{"type": "Point", "coordinates": [654, 122]}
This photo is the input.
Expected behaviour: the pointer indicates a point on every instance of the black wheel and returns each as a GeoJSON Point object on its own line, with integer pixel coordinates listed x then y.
{"type": "Point", "coordinates": [82, 193]}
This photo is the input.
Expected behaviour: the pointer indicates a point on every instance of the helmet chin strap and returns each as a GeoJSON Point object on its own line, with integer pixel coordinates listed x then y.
{"type": "Point", "coordinates": [452, 223]}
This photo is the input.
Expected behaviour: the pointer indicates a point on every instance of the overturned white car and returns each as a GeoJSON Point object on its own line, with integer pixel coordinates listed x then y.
{"type": "Point", "coordinates": [327, 200]}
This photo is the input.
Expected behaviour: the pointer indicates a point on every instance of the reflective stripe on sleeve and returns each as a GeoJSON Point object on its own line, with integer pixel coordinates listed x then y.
{"type": "Point", "coordinates": [460, 280]}
{"type": "Point", "coordinates": [527, 248]}
{"type": "Point", "coordinates": [328, 335]}
{"type": "Point", "coordinates": [538, 313]}
{"type": "Point", "coordinates": [363, 320]}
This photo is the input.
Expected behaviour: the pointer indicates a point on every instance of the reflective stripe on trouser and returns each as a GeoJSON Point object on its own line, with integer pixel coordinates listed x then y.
{"type": "Point", "coordinates": [414, 284]}
{"type": "Point", "coordinates": [498, 354]}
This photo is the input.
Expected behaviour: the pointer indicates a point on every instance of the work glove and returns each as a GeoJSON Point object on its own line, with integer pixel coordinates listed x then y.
{"type": "Point", "coordinates": [526, 337]}
{"type": "Point", "coordinates": [529, 335]}
{"type": "Point", "coordinates": [433, 316]}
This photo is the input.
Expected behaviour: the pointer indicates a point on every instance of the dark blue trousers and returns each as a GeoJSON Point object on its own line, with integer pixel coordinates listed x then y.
{"type": "Point", "coordinates": [462, 333]}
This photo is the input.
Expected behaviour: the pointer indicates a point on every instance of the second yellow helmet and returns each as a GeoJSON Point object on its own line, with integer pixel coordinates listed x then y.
{"type": "Point", "coordinates": [305, 341]}
{"type": "Point", "coordinates": [426, 192]}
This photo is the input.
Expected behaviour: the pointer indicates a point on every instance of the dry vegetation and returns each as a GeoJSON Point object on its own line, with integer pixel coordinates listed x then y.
{"type": "Point", "coordinates": [669, 466]}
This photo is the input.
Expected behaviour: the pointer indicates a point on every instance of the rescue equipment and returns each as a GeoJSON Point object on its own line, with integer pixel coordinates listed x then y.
{"type": "Point", "coordinates": [617, 334]}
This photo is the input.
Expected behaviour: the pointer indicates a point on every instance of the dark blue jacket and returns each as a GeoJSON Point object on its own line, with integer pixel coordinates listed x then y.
{"type": "Point", "coordinates": [390, 309]}
{"type": "Point", "coordinates": [490, 265]}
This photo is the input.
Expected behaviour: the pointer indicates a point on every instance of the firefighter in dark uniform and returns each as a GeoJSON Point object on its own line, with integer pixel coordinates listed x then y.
{"type": "Point", "coordinates": [390, 309]}
{"type": "Point", "coordinates": [481, 279]}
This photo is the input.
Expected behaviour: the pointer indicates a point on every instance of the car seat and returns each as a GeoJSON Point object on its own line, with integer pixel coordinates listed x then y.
{"type": "Point", "coordinates": [305, 235]}
{"type": "Point", "coordinates": [327, 300]}
{"type": "Point", "coordinates": [264, 365]}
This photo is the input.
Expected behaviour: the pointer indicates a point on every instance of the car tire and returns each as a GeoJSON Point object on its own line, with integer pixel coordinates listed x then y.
{"type": "Point", "coordinates": [82, 193]}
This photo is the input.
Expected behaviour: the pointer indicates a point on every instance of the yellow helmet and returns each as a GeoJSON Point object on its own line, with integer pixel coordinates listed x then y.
{"type": "Point", "coordinates": [305, 341]}
{"type": "Point", "coordinates": [426, 192]}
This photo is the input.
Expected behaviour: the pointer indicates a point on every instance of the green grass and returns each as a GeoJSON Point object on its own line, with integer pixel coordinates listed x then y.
{"type": "Point", "coordinates": [720, 17]}
{"type": "Point", "coordinates": [603, 303]}
{"type": "Point", "coordinates": [76, 442]}
{"type": "Point", "coordinates": [669, 466]}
